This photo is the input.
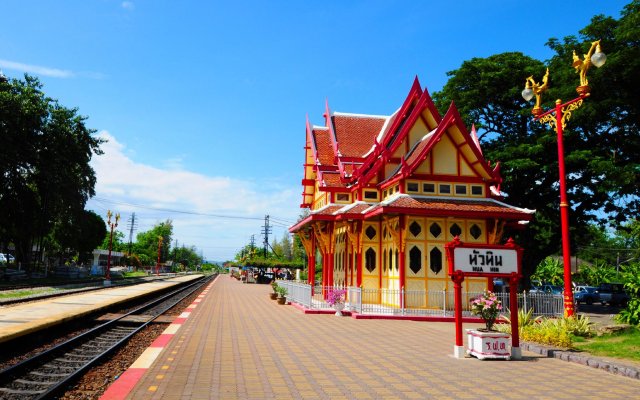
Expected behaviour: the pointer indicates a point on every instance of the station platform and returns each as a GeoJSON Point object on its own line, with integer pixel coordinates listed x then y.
{"type": "Point", "coordinates": [234, 342]}
{"type": "Point", "coordinates": [22, 319]}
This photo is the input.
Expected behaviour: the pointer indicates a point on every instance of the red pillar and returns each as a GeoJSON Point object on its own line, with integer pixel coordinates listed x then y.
{"type": "Point", "coordinates": [401, 271]}
{"type": "Point", "coordinates": [458, 278]}
{"type": "Point", "coordinates": [359, 267]}
{"type": "Point", "coordinates": [513, 306]}
{"type": "Point", "coordinates": [331, 265]}
{"type": "Point", "coordinates": [311, 278]}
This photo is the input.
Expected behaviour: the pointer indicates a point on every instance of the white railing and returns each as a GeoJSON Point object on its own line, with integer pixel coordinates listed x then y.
{"type": "Point", "coordinates": [414, 302]}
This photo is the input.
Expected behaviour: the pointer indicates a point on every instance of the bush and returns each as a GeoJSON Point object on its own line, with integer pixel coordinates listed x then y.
{"type": "Point", "coordinates": [631, 314]}
{"type": "Point", "coordinates": [550, 331]}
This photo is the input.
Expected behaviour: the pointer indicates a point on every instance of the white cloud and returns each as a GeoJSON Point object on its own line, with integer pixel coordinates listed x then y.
{"type": "Point", "coordinates": [36, 69]}
{"type": "Point", "coordinates": [124, 185]}
{"type": "Point", "coordinates": [128, 5]}
{"type": "Point", "coordinates": [50, 72]}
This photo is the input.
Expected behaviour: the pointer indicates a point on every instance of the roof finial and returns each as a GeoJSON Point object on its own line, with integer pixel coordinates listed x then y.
{"type": "Point", "coordinates": [474, 136]}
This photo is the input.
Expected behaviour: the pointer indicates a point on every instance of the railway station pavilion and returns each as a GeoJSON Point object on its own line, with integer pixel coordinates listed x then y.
{"type": "Point", "coordinates": [386, 193]}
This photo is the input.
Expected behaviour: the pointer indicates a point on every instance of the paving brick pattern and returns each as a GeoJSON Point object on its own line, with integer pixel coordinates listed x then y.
{"type": "Point", "coordinates": [239, 344]}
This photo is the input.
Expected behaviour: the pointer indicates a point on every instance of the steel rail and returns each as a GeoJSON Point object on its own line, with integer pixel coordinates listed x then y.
{"type": "Point", "coordinates": [50, 373]}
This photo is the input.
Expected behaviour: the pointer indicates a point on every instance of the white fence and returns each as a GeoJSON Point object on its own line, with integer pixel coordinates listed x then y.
{"type": "Point", "coordinates": [414, 302]}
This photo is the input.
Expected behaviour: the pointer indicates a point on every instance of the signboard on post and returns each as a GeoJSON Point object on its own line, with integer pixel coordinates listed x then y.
{"type": "Point", "coordinates": [489, 261]}
{"type": "Point", "coordinates": [483, 261]}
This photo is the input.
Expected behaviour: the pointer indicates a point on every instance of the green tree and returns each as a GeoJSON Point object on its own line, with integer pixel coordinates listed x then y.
{"type": "Point", "coordinates": [147, 242]}
{"type": "Point", "coordinates": [45, 174]}
{"type": "Point", "coordinates": [601, 140]}
{"type": "Point", "coordinates": [81, 235]}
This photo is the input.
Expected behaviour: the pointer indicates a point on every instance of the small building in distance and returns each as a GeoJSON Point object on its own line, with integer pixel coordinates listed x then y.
{"type": "Point", "coordinates": [386, 193]}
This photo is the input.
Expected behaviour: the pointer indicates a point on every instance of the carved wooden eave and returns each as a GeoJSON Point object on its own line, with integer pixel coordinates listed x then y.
{"type": "Point", "coordinates": [323, 235]}
{"type": "Point", "coordinates": [307, 242]}
{"type": "Point", "coordinates": [399, 236]}
{"type": "Point", "coordinates": [354, 235]}
{"type": "Point", "coordinates": [495, 234]}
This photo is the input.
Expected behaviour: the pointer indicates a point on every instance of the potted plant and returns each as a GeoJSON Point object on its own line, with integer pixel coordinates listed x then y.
{"type": "Point", "coordinates": [336, 298]}
{"type": "Point", "coordinates": [274, 285]}
{"type": "Point", "coordinates": [488, 342]}
{"type": "Point", "coordinates": [282, 294]}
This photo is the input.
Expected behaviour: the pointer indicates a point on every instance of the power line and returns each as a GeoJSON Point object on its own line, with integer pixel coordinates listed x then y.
{"type": "Point", "coordinates": [100, 199]}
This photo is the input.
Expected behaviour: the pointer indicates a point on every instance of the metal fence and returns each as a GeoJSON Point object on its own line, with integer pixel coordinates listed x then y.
{"type": "Point", "coordinates": [414, 302]}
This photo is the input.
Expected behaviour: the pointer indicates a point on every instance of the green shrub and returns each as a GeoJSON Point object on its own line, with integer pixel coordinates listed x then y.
{"type": "Point", "coordinates": [549, 331]}
{"type": "Point", "coordinates": [631, 276]}
{"type": "Point", "coordinates": [524, 319]}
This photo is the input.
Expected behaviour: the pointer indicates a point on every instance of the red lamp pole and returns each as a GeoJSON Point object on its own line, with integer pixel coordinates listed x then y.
{"type": "Point", "coordinates": [159, 248]}
{"type": "Point", "coordinates": [556, 118]}
{"type": "Point", "coordinates": [112, 225]}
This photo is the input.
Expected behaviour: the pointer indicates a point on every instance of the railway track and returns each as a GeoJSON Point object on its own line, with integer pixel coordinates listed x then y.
{"type": "Point", "coordinates": [50, 373]}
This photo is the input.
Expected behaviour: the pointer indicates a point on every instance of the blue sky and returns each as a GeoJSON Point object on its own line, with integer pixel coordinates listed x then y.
{"type": "Point", "coordinates": [204, 102]}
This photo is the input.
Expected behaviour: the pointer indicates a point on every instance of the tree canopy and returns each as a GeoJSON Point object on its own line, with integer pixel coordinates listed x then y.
{"type": "Point", "coordinates": [45, 175]}
{"type": "Point", "coordinates": [601, 138]}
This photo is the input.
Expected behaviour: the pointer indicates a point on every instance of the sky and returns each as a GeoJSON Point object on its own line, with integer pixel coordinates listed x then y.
{"type": "Point", "coordinates": [203, 103]}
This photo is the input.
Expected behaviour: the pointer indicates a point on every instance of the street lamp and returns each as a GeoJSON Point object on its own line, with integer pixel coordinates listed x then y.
{"type": "Point", "coordinates": [556, 118]}
{"type": "Point", "coordinates": [112, 225]}
{"type": "Point", "coordinates": [159, 248]}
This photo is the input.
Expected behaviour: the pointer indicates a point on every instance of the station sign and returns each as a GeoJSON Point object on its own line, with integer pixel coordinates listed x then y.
{"type": "Point", "coordinates": [485, 261]}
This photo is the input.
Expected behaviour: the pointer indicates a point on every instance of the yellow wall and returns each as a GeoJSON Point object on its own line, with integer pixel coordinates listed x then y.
{"type": "Point", "coordinates": [445, 157]}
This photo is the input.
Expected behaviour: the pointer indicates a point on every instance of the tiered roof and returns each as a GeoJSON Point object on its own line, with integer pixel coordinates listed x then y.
{"type": "Point", "coordinates": [354, 151]}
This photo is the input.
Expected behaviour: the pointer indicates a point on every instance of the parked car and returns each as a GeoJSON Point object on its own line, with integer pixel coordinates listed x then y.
{"type": "Point", "coordinates": [265, 277]}
{"type": "Point", "coordinates": [552, 289]}
{"type": "Point", "coordinates": [3, 258]}
{"type": "Point", "coordinates": [586, 294]}
{"type": "Point", "coordinates": [613, 294]}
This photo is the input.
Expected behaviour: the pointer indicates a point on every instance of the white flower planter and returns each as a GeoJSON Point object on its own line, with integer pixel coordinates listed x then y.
{"type": "Point", "coordinates": [338, 307]}
{"type": "Point", "coordinates": [488, 344]}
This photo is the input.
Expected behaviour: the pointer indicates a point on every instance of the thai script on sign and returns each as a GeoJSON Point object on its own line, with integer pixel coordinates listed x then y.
{"type": "Point", "coordinates": [485, 261]}
{"type": "Point", "coordinates": [488, 259]}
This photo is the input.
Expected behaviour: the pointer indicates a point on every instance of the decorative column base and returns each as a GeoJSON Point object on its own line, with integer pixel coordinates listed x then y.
{"type": "Point", "coordinates": [516, 353]}
{"type": "Point", "coordinates": [458, 351]}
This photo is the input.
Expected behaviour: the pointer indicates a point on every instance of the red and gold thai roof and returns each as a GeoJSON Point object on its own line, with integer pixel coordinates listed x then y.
{"type": "Point", "coordinates": [450, 207]}
{"type": "Point", "coordinates": [352, 152]}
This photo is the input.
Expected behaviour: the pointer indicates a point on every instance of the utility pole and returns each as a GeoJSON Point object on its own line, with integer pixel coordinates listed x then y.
{"type": "Point", "coordinates": [266, 230]}
{"type": "Point", "coordinates": [253, 242]}
{"type": "Point", "coordinates": [132, 225]}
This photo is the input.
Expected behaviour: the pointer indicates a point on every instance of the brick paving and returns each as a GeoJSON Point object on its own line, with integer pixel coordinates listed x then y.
{"type": "Point", "coordinates": [239, 344]}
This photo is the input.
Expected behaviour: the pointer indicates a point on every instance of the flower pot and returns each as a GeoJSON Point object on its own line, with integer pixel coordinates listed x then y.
{"type": "Point", "coordinates": [488, 344]}
{"type": "Point", "coordinates": [282, 300]}
{"type": "Point", "coordinates": [338, 307]}
{"type": "Point", "coordinates": [273, 295]}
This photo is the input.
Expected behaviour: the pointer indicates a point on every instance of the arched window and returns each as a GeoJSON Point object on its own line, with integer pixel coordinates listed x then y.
{"type": "Point", "coordinates": [397, 258]}
{"type": "Point", "coordinates": [370, 259]}
{"type": "Point", "coordinates": [435, 260]}
{"type": "Point", "coordinates": [415, 259]}
{"type": "Point", "coordinates": [384, 261]}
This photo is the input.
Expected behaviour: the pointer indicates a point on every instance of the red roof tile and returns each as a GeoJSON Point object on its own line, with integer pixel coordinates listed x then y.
{"type": "Point", "coordinates": [356, 134]}
{"type": "Point", "coordinates": [331, 179]}
{"type": "Point", "coordinates": [451, 206]}
{"type": "Point", "coordinates": [323, 145]}
{"type": "Point", "coordinates": [329, 210]}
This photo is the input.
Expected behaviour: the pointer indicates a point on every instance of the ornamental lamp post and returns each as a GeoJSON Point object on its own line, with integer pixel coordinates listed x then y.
{"type": "Point", "coordinates": [159, 248]}
{"type": "Point", "coordinates": [556, 118]}
{"type": "Point", "coordinates": [112, 225]}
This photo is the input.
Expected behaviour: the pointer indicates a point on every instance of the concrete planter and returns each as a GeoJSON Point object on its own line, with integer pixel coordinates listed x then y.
{"type": "Point", "coordinates": [488, 344]}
